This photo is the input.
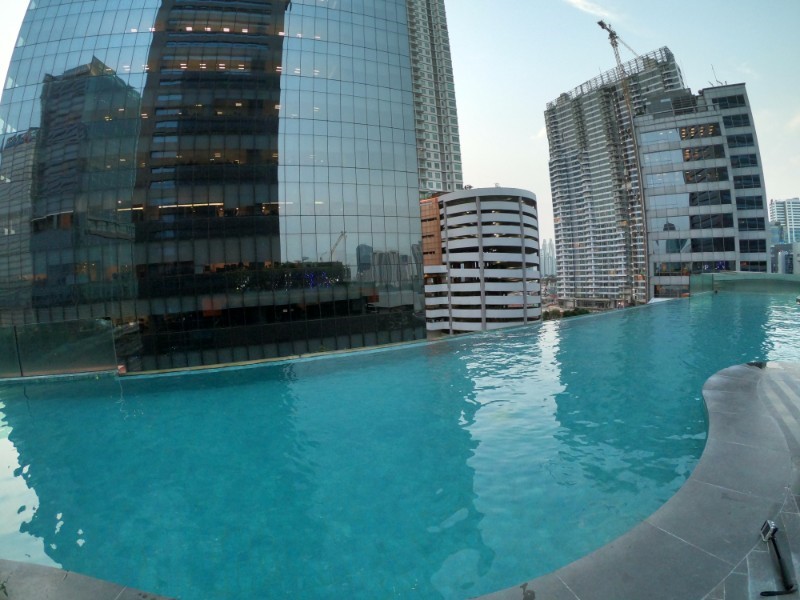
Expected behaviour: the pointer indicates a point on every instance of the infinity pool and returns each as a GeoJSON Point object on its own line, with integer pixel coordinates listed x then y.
{"type": "Point", "coordinates": [442, 470]}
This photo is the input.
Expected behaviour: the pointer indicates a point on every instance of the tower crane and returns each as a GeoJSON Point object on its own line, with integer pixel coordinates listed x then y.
{"type": "Point", "coordinates": [342, 236]}
{"type": "Point", "coordinates": [635, 194]}
{"type": "Point", "coordinates": [615, 41]}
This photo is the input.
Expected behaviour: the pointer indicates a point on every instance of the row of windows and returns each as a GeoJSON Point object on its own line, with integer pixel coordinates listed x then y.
{"type": "Point", "coordinates": [742, 120]}
{"type": "Point", "coordinates": [726, 102]}
{"type": "Point", "coordinates": [742, 182]}
{"type": "Point", "coordinates": [749, 202]}
{"type": "Point", "coordinates": [697, 131]}
{"type": "Point", "coordinates": [712, 221]}
{"type": "Point", "coordinates": [691, 132]}
{"type": "Point", "coordinates": [706, 175]}
{"type": "Point", "coordinates": [740, 140]}
{"type": "Point", "coordinates": [758, 266]}
{"type": "Point", "coordinates": [683, 269]}
{"type": "Point", "coordinates": [744, 160]}
{"type": "Point", "coordinates": [687, 132]}
{"type": "Point", "coordinates": [710, 198]}
{"type": "Point", "coordinates": [686, 155]}
{"type": "Point", "coordinates": [669, 178]}
{"type": "Point", "coordinates": [751, 224]}
{"type": "Point", "coordinates": [715, 244]}
{"type": "Point", "coordinates": [705, 198]}
{"type": "Point", "coordinates": [713, 174]}
{"type": "Point", "coordinates": [667, 269]}
{"type": "Point", "coordinates": [746, 246]}
{"type": "Point", "coordinates": [704, 152]}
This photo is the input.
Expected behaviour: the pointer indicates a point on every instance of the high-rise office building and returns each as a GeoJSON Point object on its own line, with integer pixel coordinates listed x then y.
{"type": "Point", "coordinates": [787, 213]}
{"type": "Point", "coordinates": [438, 145]}
{"type": "Point", "coordinates": [548, 258]}
{"type": "Point", "coordinates": [594, 178]}
{"type": "Point", "coordinates": [703, 186]}
{"type": "Point", "coordinates": [224, 181]}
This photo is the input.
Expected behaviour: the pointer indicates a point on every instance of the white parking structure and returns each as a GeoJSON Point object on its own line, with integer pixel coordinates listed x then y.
{"type": "Point", "coordinates": [481, 255]}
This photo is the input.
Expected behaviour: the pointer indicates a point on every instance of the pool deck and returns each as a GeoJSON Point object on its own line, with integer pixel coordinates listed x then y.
{"type": "Point", "coordinates": [704, 543]}
{"type": "Point", "coordinates": [26, 581]}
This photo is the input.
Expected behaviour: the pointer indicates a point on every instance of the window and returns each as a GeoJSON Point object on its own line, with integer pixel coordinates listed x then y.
{"type": "Point", "coordinates": [746, 246]}
{"type": "Point", "coordinates": [667, 201]}
{"type": "Point", "coordinates": [719, 244]}
{"type": "Point", "coordinates": [742, 120]}
{"type": "Point", "coordinates": [711, 221]}
{"type": "Point", "coordinates": [740, 140]}
{"type": "Point", "coordinates": [710, 198]}
{"type": "Point", "coordinates": [749, 202]}
{"type": "Point", "coordinates": [705, 175]}
{"type": "Point", "coordinates": [704, 152]}
{"type": "Point", "coordinates": [664, 135]}
{"type": "Point", "coordinates": [691, 132]}
{"type": "Point", "coordinates": [751, 224]}
{"type": "Point", "coordinates": [744, 160]}
{"type": "Point", "coordinates": [742, 182]}
{"type": "Point", "coordinates": [709, 266]}
{"type": "Point", "coordinates": [729, 101]}
{"type": "Point", "coordinates": [675, 223]}
{"type": "Point", "coordinates": [759, 266]}
{"type": "Point", "coordinates": [662, 158]}
{"type": "Point", "coordinates": [671, 268]}
{"type": "Point", "coordinates": [663, 179]}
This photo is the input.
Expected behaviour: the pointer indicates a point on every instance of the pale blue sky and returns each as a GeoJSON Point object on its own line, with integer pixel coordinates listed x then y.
{"type": "Point", "coordinates": [511, 57]}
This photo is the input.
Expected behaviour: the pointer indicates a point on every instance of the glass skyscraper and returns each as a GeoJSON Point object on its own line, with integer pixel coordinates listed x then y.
{"type": "Point", "coordinates": [223, 181]}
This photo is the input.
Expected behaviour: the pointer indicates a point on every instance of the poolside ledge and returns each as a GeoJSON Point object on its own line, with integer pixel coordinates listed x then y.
{"type": "Point", "coordinates": [705, 542]}
{"type": "Point", "coordinates": [26, 581]}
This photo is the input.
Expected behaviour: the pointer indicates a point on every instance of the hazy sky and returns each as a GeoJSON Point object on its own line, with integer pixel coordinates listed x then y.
{"type": "Point", "coordinates": [512, 57]}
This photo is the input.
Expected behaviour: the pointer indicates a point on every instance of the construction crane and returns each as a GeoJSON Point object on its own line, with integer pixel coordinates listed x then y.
{"type": "Point", "coordinates": [335, 245]}
{"type": "Point", "coordinates": [635, 193]}
{"type": "Point", "coordinates": [615, 41]}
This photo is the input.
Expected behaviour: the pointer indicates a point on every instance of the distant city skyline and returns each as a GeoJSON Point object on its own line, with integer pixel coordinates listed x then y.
{"type": "Point", "coordinates": [511, 57]}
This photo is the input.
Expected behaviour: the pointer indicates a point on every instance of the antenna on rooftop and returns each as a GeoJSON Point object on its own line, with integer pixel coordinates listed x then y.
{"type": "Point", "coordinates": [715, 77]}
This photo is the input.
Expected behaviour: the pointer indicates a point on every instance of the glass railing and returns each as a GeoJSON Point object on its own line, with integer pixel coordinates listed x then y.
{"type": "Point", "coordinates": [57, 348]}
{"type": "Point", "coordinates": [740, 281]}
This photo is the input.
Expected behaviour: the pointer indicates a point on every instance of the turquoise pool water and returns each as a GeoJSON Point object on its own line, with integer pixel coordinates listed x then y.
{"type": "Point", "coordinates": [441, 470]}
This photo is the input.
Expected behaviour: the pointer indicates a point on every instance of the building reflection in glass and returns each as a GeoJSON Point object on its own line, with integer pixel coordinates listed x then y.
{"type": "Point", "coordinates": [224, 182]}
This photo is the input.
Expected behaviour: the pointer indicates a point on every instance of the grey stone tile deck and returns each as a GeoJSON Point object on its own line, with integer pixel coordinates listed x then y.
{"type": "Point", "coordinates": [24, 581]}
{"type": "Point", "coordinates": [705, 542]}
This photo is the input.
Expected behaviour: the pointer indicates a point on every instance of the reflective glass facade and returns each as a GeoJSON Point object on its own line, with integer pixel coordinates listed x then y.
{"type": "Point", "coordinates": [703, 195]}
{"type": "Point", "coordinates": [222, 180]}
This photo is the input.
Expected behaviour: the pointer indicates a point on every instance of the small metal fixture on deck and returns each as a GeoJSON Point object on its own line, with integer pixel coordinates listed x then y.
{"type": "Point", "coordinates": [768, 532]}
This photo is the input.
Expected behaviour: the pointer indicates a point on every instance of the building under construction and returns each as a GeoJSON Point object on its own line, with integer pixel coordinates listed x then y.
{"type": "Point", "coordinates": [597, 201]}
